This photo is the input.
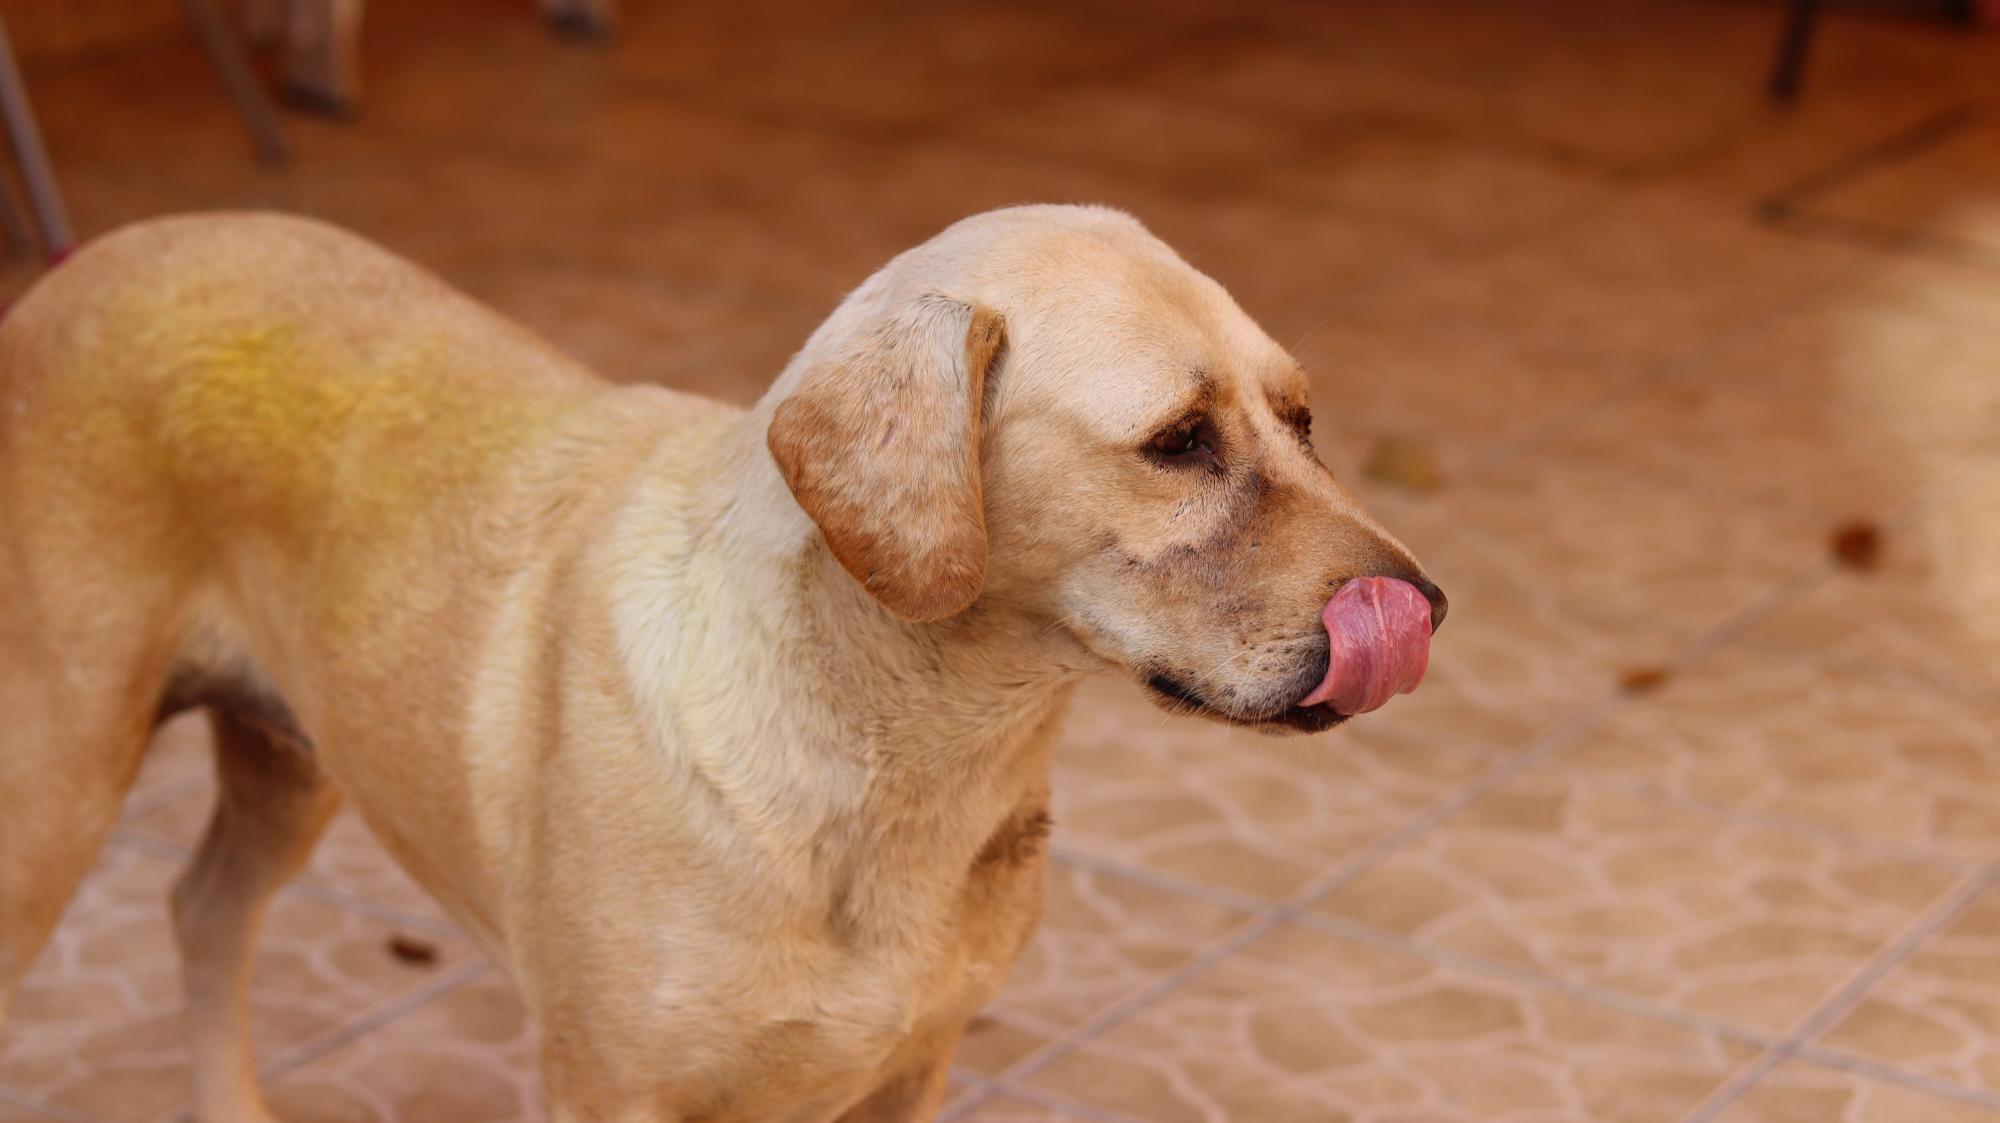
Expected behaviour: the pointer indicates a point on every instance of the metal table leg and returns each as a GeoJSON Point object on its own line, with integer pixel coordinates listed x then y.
{"type": "Point", "coordinates": [37, 176]}
{"type": "Point", "coordinates": [237, 77]}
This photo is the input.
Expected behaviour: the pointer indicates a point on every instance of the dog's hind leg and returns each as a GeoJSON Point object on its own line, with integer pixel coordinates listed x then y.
{"type": "Point", "coordinates": [272, 805]}
{"type": "Point", "coordinates": [70, 744]}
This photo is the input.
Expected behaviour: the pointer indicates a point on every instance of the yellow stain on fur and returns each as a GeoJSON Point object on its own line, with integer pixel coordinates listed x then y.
{"type": "Point", "coordinates": [246, 422]}
{"type": "Point", "coordinates": [351, 458]}
{"type": "Point", "coordinates": [287, 426]}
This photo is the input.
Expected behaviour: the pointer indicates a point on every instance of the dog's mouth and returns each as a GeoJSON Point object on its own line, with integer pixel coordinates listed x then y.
{"type": "Point", "coordinates": [1302, 719]}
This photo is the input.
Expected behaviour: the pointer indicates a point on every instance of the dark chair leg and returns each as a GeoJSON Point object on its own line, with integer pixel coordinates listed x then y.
{"type": "Point", "coordinates": [238, 79]}
{"type": "Point", "coordinates": [37, 175]}
{"type": "Point", "coordinates": [14, 222]}
{"type": "Point", "coordinates": [1800, 18]}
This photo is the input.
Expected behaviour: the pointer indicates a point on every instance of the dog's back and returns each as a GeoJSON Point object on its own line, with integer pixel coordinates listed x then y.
{"type": "Point", "coordinates": [234, 442]}
{"type": "Point", "coordinates": [265, 368]}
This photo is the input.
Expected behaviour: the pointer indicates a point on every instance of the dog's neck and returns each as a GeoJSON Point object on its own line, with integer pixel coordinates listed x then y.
{"type": "Point", "coordinates": [808, 709]}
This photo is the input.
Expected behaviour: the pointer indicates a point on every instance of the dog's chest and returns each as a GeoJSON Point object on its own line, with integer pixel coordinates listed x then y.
{"type": "Point", "coordinates": [870, 1019]}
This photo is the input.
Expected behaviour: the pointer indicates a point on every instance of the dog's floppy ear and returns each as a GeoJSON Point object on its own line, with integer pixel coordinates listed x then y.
{"type": "Point", "coordinates": [880, 444]}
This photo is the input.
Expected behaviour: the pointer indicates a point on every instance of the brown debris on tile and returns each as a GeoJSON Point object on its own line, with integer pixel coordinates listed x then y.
{"type": "Point", "coordinates": [1643, 680]}
{"type": "Point", "coordinates": [1405, 462]}
{"type": "Point", "coordinates": [1857, 545]}
{"type": "Point", "coordinates": [413, 951]}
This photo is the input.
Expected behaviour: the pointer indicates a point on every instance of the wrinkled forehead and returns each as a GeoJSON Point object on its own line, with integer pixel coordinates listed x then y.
{"type": "Point", "coordinates": [1134, 335]}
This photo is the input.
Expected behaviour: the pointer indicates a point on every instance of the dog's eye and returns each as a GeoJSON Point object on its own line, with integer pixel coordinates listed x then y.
{"type": "Point", "coordinates": [1301, 421]}
{"type": "Point", "coordinates": [1190, 441]}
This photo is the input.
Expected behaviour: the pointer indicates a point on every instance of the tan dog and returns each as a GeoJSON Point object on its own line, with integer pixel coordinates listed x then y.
{"type": "Point", "coordinates": [725, 731]}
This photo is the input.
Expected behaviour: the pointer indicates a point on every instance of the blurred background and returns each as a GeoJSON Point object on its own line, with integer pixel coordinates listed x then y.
{"type": "Point", "coordinates": [1688, 394]}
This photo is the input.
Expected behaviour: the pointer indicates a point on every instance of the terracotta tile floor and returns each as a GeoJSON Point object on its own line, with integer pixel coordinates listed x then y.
{"type": "Point", "coordinates": [1690, 823]}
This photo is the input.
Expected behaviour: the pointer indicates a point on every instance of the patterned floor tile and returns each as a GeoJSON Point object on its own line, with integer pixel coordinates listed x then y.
{"type": "Point", "coordinates": [97, 1028]}
{"type": "Point", "coordinates": [469, 1056]}
{"type": "Point", "coordinates": [1939, 1012]}
{"type": "Point", "coordinates": [1565, 572]}
{"type": "Point", "coordinates": [1102, 938]}
{"type": "Point", "coordinates": [1306, 1027]}
{"type": "Point", "coordinates": [1797, 1092]}
{"type": "Point", "coordinates": [1228, 807]}
{"type": "Point", "coordinates": [1616, 890]}
{"type": "Point", "coordinates": [1929, 608]}
{"type": "Point", "coordinates": [958, 1096]}
{"type": "Point", "coordinates": [1873, 754]}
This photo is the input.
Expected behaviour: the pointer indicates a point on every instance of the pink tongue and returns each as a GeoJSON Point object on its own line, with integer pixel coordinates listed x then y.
{"type": "Point", "coordinates": [1380, 629]}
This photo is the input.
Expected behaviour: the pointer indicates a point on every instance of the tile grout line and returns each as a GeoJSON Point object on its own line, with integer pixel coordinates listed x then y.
{"type": "Point", "coordinates": [1890, 1074]}
{"type": "Point", "coordinates": [979, 1091]}
{"type": "Point", "coordinates": [1848, 996]}
{"type": "Point", "coordinates": [1942, 913]}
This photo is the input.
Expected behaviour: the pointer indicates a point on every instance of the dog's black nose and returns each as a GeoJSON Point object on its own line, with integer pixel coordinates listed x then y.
{"type": "Point", "coordinates": [1435, 595]}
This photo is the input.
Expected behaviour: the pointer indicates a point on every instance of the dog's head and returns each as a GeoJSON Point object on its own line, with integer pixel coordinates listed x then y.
{"type": "Point", "coordinates": [1045, 408]}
